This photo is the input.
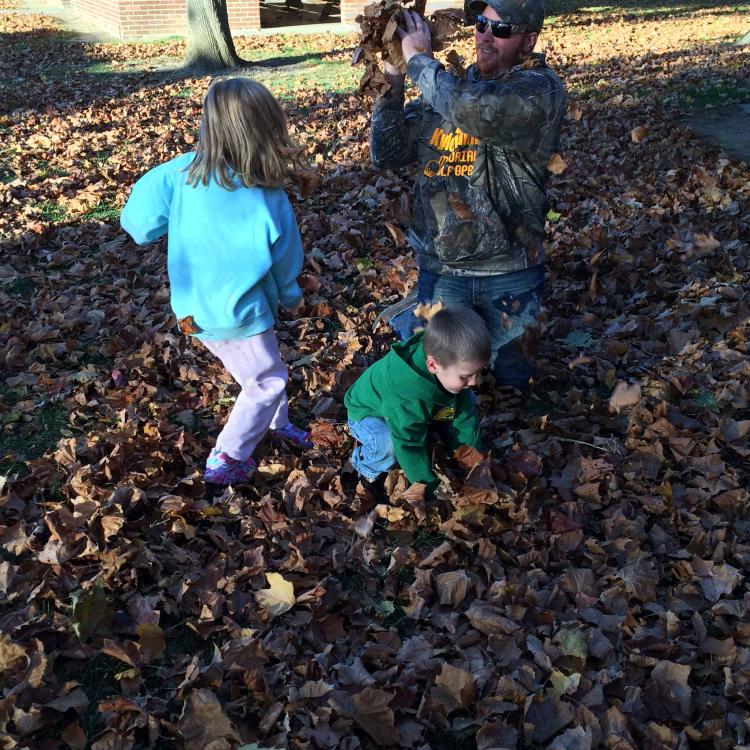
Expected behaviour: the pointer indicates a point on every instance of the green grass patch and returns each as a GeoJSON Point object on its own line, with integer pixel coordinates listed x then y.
{"type": "Point", "coordinates": [99, 68]}
{"type": "Point", "coordinates": [712, 95]}
{"type": "Point", "coordinates": [45, 169]}
{"type": "Point", "coordinates": [184, 93]}
{"type": "Point", "coordinates": [103, 212]}
{"type": "Point", "coordinates": [6, 174]}
{"type": "Point", "coordinates": [101, 157]}
{"type": "Point", "coordinates": [22, 441]}
{"type": "Point", "coordinates": [52, 211]}
{"type": "Point", "coordinates": [334, 77]}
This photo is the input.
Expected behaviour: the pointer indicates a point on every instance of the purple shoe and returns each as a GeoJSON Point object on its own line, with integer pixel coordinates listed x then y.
{"type": "Point", "coordinates": [293, 435]}
{"type": "Point", "coordinates": [223, 469]}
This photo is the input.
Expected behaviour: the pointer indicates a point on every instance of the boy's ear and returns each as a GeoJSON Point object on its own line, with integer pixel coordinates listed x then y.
{"type": "Point", "coordinates": [432, 364]}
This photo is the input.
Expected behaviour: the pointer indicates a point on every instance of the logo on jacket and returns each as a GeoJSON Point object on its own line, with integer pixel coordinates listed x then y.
{"type": "Point", "coordinates": [446, 414]}
{"type": "Point", "coordinates": [460, 153]}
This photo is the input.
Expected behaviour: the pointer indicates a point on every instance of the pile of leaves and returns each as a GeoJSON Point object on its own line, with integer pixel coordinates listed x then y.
{"type": "Point", "coordinates": [583, 586]}
{"type": "Point", "coordinates": [379, 40]}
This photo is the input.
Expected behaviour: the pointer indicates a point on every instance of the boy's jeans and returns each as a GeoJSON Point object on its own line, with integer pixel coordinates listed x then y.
{"type": "Point", "coordinates": [510, 305]}
{"type": "Point", "coordinates": [375, 453]}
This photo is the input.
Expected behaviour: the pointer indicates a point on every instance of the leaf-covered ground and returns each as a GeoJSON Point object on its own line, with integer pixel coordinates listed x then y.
{"type": "Point", "coordinates": [587, 588]}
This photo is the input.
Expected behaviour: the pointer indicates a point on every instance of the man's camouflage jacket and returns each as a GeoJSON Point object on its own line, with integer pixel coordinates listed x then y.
{"type": "Point", "coordinates": [482, 147]}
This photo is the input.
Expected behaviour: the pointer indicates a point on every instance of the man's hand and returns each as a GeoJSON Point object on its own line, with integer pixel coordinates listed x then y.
{"type": "Point", "coordinates": [392, 71]}
{"type": "Point", "coordinates": [415, 39]}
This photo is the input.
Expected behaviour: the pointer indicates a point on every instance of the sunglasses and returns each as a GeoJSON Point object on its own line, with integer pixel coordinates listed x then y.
{"type": "Point", "coordinates": [499, 29]}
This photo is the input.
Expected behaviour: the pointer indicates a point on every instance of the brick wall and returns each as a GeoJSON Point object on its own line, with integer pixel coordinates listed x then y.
{"type": "Point", "coordinates": [128, 19]}
{"type": "Point", "coordinates": [350, 9]}
{"type": "Point", "coordinates": [104, 13]}
{"type": "Point", "coordinates": [244, 15]}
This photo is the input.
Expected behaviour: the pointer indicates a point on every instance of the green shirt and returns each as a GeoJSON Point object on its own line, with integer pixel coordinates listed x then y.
{"type": "Point", "coordinates": [401, 390]}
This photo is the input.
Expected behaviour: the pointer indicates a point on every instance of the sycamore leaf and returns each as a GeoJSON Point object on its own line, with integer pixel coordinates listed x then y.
{"type": "Point", "coordinates": [279, 597]}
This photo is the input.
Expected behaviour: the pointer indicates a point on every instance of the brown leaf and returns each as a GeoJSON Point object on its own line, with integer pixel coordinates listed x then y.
{"type": "Point", "coordinates": [397, 233]}
{"type": "Point", "coordinates": [11, 654]}
{"type": "Point", "coordinates": [74, 736]}
{"type": "Point", "coordinates": [151, 641]}
{"type": "Point", "coordinates": [452, 587]}
{"type": "Point", "coordinates": [372, 714]}
{"type": "Point", "coordinates": [487, 618]}
{"type": "Point", "coordinates": [204, 726]}
{"type": "Point", "coordinates": [556, 164]}
{"type": "Point", "coordinates": [457, 685]}
{"type": "Point", "coordinates": [624, 395]}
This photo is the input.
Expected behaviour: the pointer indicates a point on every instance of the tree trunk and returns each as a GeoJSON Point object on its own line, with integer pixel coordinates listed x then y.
{"type": "Point", "coordinates": [209, 41]}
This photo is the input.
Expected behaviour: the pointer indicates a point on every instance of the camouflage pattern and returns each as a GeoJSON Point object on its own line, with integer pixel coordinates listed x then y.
{"type": "Point", "coordinates": [482, 146]}
{"type": "Point", "coordinates": [528, 13]}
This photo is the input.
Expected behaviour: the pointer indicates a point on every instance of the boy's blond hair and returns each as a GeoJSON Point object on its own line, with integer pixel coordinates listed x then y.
{"type": "Point", "coordinates": [243, 136]}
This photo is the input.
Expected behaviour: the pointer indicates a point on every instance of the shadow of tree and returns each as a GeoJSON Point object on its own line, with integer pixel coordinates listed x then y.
{"type": "Point", "coordinates": [51, 69]}
{"type": "Point", "coordinates": [595, 9]}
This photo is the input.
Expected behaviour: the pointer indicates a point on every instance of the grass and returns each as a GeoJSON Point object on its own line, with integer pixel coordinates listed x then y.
{"type": "Point", "coordinates": [24, 441]}
{"type": "Point", "coordinates": [314, 73]}
{"type": "Point", "coordinates": [103, 212]}
{"type": "Point", "coordinates": [49, 170]}
{"type": "Point", "coordinates": [713, 94]}
{"type": "Point", "coordinates": [100, 68]}
{"type": "Point", "coordinates": [52, 211]}
{"type": "Point", "coordinates": [99, 681]}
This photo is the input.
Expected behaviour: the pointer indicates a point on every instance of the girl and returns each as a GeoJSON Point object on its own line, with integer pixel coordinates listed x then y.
{"type": "Point", "coordinates": [233, 255]}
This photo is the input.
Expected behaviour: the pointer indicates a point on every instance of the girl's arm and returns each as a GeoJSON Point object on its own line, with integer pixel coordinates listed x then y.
{"type": "Point", "coordinates": [146, 214]}
{"type": "Point", "coordinates": [287, 259]}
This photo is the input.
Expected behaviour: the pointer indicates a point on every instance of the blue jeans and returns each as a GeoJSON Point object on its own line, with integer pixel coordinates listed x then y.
{"type": "Point", "coordinates": [375, 453]}
{"type": "Point", "coordinates": [510, 305]}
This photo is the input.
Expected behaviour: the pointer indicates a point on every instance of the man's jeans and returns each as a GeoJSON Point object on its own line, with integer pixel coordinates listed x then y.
{"type": "Point", "coordinates": [375, 453]}
{"type": "Point", "coordinates": [510, 304]}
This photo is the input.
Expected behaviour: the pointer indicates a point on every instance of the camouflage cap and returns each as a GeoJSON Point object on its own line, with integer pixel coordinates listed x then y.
{"type": "Point", "coordinates": [528, 13]}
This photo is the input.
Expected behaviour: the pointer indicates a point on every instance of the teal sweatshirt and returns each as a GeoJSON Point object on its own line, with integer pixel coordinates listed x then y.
{"type": "Point", "coordinates": [233, 256]}
{"type": "Point", "coordinates": [401, 390]}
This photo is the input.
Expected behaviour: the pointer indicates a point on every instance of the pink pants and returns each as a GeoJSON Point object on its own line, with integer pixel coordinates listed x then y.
{"type": "Point", "coordinates": [255, 363]}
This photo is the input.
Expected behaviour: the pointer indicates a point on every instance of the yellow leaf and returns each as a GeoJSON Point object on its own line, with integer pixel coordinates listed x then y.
{"type": "Point", "coordinates": [390, 513]}
{"type": "Point", "coordinates": [279, 598]}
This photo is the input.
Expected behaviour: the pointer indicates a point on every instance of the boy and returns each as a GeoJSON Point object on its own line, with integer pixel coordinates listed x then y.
{"type": "Point", "coordinates": [422, 381]}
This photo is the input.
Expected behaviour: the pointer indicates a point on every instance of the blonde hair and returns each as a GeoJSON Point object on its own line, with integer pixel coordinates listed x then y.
{"type": "Point", "coordinates": [243, 135]}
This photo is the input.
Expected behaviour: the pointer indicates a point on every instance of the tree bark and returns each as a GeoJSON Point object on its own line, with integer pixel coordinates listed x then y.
{"type": "Point", "coordinates": [209, 40]}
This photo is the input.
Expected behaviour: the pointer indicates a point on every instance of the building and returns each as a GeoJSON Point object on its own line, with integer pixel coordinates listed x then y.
{"type": "Point", "coordinates": [130, 19]}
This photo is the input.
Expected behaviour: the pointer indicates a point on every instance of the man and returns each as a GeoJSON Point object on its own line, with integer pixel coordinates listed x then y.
{"type": "Point", "coordinates": [482, 144]}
